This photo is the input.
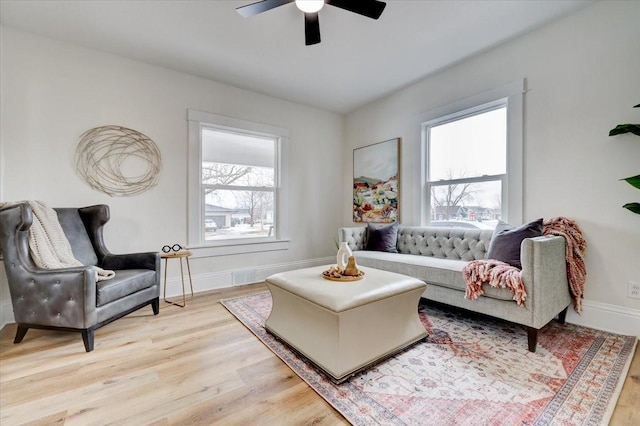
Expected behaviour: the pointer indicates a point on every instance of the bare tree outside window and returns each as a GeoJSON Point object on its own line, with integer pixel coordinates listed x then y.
{"type": "Point", "coordinates": [222, 174]}
{"type": "Point", "coordinates": [449, 197]}
{"type": "Point", "coordinates": [258, 203]}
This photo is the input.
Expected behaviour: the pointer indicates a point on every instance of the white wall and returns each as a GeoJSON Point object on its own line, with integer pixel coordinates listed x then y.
{"type": "Point", "coordinates": [583, 77]}
{"type": "Point", "coordinates": [52, 92]}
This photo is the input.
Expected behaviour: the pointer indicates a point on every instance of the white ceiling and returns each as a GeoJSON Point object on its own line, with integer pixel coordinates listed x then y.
{"type": "Point", "coordinates": [358, 61]}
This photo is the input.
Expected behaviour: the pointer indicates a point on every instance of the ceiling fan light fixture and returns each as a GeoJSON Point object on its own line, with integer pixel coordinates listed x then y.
{"type": "Point", "coordinates": [309, 6]}
{"type": "Point", "coordinates": [369, 8]}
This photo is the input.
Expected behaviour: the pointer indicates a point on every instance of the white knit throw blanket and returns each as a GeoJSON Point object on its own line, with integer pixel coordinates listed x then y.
{"type": "Point", "coordinates": [49, 246]}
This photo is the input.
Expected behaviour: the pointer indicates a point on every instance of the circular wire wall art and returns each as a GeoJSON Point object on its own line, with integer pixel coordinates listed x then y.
{"type": "Point", "coordinates": [118, 161]}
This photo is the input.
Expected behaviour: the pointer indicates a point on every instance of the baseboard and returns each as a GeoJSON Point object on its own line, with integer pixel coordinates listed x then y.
{"type": "Point", "coordinates": [6, 313]}
{"type": "Point", "coordinates": [606, 317]}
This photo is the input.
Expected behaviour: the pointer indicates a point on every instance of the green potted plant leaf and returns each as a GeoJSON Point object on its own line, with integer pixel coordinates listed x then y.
{"type": "Point", "coordinates": [633, 180]}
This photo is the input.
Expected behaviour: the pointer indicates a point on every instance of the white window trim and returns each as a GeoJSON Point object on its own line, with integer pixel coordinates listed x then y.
{"type": "Point", "coordinates": [195, 201]}
{"type": "Point", "coordinates": [511, 95]}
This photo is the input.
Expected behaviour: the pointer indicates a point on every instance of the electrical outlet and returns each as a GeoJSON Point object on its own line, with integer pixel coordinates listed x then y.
{"type": "Point", "coordinates": [633, 289]}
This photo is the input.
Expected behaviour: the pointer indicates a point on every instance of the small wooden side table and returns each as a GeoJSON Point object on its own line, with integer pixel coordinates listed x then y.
{"type": "Point", "coordinates": [182, 254]}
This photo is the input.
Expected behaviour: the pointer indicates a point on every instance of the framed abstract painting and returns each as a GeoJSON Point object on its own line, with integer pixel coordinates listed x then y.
{"type": "Point", "coordinates": [376, 171]}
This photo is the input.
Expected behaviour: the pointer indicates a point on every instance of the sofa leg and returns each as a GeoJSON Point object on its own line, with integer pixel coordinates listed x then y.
{"type": "Point", "coordinates": [20, 332]}
{"type": "Point", "coordinates": [532, 337]}
{"type": "Point", "coordinates": [87, 338]}
{"type": "Point", "coordinates": [155, 305]}
{"type": "Point", "coordinates": [562, 316]}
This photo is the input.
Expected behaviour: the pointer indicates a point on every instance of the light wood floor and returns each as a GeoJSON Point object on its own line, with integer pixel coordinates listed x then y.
{"type": "Point", "coordinates": [196, 365]}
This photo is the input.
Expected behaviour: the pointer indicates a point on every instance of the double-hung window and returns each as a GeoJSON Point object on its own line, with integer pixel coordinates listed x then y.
{"type": "Point", "coordinates": [472, 166]}
{"type": "Point", "coordinates": [235, 189]}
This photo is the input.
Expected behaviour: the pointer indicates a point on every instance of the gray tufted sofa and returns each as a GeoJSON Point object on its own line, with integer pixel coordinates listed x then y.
{"type": "Point", "coordinates": [437, 255]}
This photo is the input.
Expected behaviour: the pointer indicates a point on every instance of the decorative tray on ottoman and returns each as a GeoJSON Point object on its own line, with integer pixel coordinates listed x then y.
{"type": "Point", "coordinates": [334, 276]}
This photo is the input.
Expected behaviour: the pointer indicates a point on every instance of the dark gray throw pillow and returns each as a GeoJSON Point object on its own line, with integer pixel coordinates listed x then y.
{"type": "Point", "coordinates": [382, 237]}
{"type": "Point", "coordinates": [506, 241]}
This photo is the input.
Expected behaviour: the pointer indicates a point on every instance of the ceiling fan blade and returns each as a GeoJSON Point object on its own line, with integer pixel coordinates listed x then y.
{"type": "Point", "coordinates": [369, 8]}
{"type": "Point", "coordinates": [311, 29]}
{"type": "Point", "coordinates": [261, 6]}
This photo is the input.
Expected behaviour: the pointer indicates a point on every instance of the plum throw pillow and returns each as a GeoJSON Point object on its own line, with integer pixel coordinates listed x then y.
{"type": "Point", "coordinates": [382, 237]}
{"type": "Point", "coordinates": [506, 241]}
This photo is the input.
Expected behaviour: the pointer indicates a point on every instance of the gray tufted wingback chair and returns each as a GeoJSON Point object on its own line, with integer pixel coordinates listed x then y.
{"type": "Point", "coordinates": [69, 298]}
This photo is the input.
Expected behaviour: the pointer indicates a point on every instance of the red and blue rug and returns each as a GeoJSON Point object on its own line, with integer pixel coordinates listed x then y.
{"type": "Point", "coordinates": [471, 370]}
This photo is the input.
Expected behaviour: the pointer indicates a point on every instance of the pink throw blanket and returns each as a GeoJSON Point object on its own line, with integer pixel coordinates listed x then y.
{"type": "Point", "coordinates": [502, 275]}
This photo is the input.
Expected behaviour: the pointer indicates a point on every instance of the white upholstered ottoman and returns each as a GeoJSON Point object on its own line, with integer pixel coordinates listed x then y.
{"type": "Point", "coordinates": [344, 327]}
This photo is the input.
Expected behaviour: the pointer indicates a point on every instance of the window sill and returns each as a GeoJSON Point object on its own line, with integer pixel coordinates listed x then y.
{"type": "Point", "coordinates": [238, 247]}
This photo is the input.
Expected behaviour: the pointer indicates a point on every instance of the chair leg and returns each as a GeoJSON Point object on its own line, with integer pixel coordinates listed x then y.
{"type": "Point", "coordinates": [532, 337]}
{"type": "Point", "coordinates": [155, 305]}
{"type": "Point", "coordinates": [87, 338]}
{"type": "Point", "coordinates": [20, 332]}
{"type": "Point", "coordinates": [562, 316]}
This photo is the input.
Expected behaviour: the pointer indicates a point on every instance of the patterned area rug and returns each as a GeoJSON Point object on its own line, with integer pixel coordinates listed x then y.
{"type": "Point", "coordinates": [471, 370]}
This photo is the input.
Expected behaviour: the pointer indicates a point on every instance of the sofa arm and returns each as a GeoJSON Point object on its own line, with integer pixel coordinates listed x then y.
{"type": "Point", "coordinates": [544, 275]}
{"type": "Point", "coordinates": [55, 297]}
{"type": "Point", "coordinates": [355, 236]}
{"type": "Point", "coordinates": [148, 260]}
